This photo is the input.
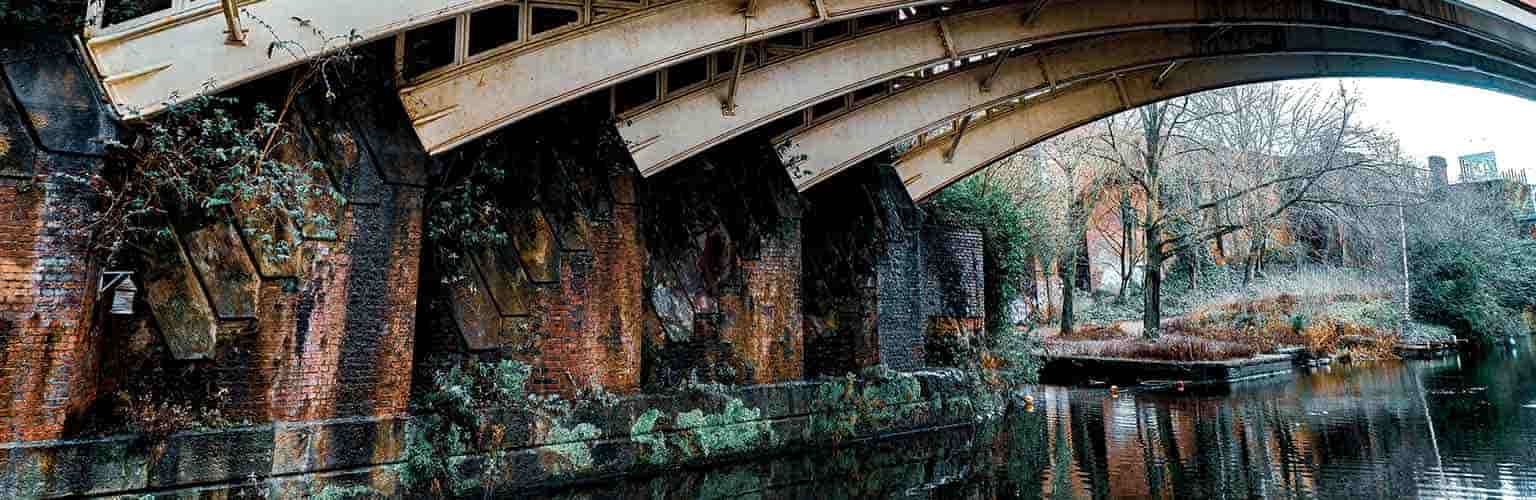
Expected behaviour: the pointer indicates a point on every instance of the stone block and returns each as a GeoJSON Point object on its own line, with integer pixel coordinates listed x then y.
{"type": "Point", "coordinates": [59, 99]}
{"type": "Point", "coordinates": [338, 444]}
{"type": "Point", "coordinates": [213, 456]}
{"type": "Point", "coordinates": [624, 186]}
{"type": "Point", "coordinates": [18, 155]}
{"type": "Point", "coordinates": [507, 283]}
{"type": "Point", "coordinates": [267, 237]}
{"type": "Point", "coordinates": [536, 245]}
{"type": "Point", "coordinates": [181, 310]}
{"type": "Point", "coordinates": [576, 232]}
{"type": "Point", "coordinates": [220, 259]}
{"type": "Point", "coordinates": [475, 314]}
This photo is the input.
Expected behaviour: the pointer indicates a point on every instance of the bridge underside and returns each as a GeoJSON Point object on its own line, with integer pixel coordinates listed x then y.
{"type": "Point", "coordinates": [932, 114]}
{"type": "Point", "coordinates": [686, 75]}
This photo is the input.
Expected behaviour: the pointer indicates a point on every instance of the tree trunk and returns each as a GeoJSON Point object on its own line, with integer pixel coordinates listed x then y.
{"type": "Point", "coordinates": [1152, 292]}
{"type": "Point", "coordinates": [1258, 259]}
{"type": "Point", "coordinates": [1193, 257]}
{"type": "Point", "coordinates": [1127, 244]}
{"type": "Point", "coordinates": [1251, 261]}
{"type": "Point", "coordinates": [1068, 281]}
{"type": "Point", "coordinates": [1402, 228]}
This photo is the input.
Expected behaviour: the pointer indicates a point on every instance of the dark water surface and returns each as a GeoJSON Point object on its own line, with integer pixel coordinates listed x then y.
{"type": "Point", "coordinates": [1458, 427]}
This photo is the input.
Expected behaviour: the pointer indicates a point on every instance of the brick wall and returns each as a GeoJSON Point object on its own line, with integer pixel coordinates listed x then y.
{"type": "Point", "coordinates": [216, 326]}
{"type": "Point", "coordinates": [953, 279]}
{"type": "Point", "coordinates": [900, 273]}
{"type": "Point", "coordinates": [723, 233]}
{"type": "Point", "coordinates": [862, 266]}
{"type": "Point", "coordinates": [565, 293]}
{"type": "Point", "coordinates": [954, 293]}
{"type": "Point", "coordinates": [591, 336]}
{"type": "Point", "coordinates": [50, 128]}
{"type": "Point", "coordinates": [765, 318]}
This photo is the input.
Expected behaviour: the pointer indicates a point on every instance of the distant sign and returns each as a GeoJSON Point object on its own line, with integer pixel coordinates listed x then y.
{"type": "Point", "coordinates": [1479, 167]}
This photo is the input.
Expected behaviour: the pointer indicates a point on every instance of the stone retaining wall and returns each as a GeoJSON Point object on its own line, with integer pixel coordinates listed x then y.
{"type": "Point", "coordinates": [632, 436]}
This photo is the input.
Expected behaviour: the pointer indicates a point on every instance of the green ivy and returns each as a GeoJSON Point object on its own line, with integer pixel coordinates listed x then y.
{"type": "Point", "coordinates": [467, 218]}
{"type": "Point", "coordinates": [449, 420]}
{"type": "Point", "coordinates": [216, 158]}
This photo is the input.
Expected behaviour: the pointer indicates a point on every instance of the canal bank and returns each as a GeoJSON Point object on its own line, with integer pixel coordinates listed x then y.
{"type": "Point", "coordinates": [1453, 427]}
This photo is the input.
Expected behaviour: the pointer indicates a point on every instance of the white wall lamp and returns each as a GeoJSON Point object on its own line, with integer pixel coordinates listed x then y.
{"type": "Point", "coordinates": [124, 291]}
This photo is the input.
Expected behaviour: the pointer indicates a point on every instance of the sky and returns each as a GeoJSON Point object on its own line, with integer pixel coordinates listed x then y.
{"type": "Point", "coordinates": [1449, 120]}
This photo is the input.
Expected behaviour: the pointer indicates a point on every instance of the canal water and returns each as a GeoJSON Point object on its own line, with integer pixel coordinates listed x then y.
{"type": "Point", "coordinates": [1457, 427]}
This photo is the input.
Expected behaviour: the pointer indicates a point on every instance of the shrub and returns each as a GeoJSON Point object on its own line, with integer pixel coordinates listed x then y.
{"type": "Point", "coordinates": [210, 157]}
{"type": "Point", "coordinates": [1472, 272]}
{"type": "Point", "coordinates": [1166, 348]}
{"type": "Point", "coordinates": [451, 418]}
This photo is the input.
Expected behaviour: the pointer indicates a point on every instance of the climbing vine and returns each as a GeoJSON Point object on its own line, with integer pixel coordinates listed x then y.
{"type": "Point", "coordinates": [219, 157]}
{"type": "Point", "coordinates": [1005, 226]}
{"type": "Point", "coordinates": [203, 156]}
{"type": "Point", "coordinates": [453, 417]}
{"type": "Point", "coordinates": [465, 217]}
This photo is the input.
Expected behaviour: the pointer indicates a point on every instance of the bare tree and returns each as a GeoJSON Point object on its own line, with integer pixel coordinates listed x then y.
{"type": "Point", "coordinates": [1080, 178]}
{"type": "Point", "coordinates": [1249, 154]}
{"type": "Point", "coordinates": [1119, 232]}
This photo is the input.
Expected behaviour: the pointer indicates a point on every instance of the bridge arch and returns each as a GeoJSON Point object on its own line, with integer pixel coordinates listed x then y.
{"type": "Point", "coordinates": [827, 147]}
{"type": "Point", "coordinates": [930, 166]}
{"type": "Point", "coordinates": [599, 45]}
{"type": "Point", "coordinates": [686, 125]}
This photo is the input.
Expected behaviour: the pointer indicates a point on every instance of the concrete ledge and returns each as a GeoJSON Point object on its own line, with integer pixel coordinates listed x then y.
{"type": "Point", "coordinates": [1428, 351]}
{"type": "Point", "coordinates": [1080, 369]}
{"type": "Point", "coordinates": [122, 464]}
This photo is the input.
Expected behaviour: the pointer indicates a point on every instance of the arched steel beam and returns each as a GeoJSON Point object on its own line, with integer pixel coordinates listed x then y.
{"type": "Point", "coordinates": [167, 56]}
{"type": "Point", "coordinates": [826, 148]}
{"type": "Point", "coordinates": [477, 98]}
{"type": "Point", "coordinates": [926, 171]}
{"type": "Point", "coordinates": [680, 128]}
{"type": "Point", "coordinates": [470, 103]}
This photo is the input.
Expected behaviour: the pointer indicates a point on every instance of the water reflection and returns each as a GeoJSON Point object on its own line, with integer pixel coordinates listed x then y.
{"type": "Point", "coordinates": [1451, 428]}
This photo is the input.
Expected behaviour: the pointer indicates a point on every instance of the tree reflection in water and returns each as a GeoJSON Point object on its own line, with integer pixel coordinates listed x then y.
{"type": "Point", "coordinates": [1449, 428]}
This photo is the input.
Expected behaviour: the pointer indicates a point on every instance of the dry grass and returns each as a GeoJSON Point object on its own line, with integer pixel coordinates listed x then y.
{"type": "Point", "coordinates": [1345, 320]}
{"type": "Point", "coordinates": [1094, 332]}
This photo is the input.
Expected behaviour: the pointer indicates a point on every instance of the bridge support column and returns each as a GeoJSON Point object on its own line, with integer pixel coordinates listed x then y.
{"type": "Point", "coordinates": [863, 270]}
{"type": "Point", "coordinates": [52, 131]}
